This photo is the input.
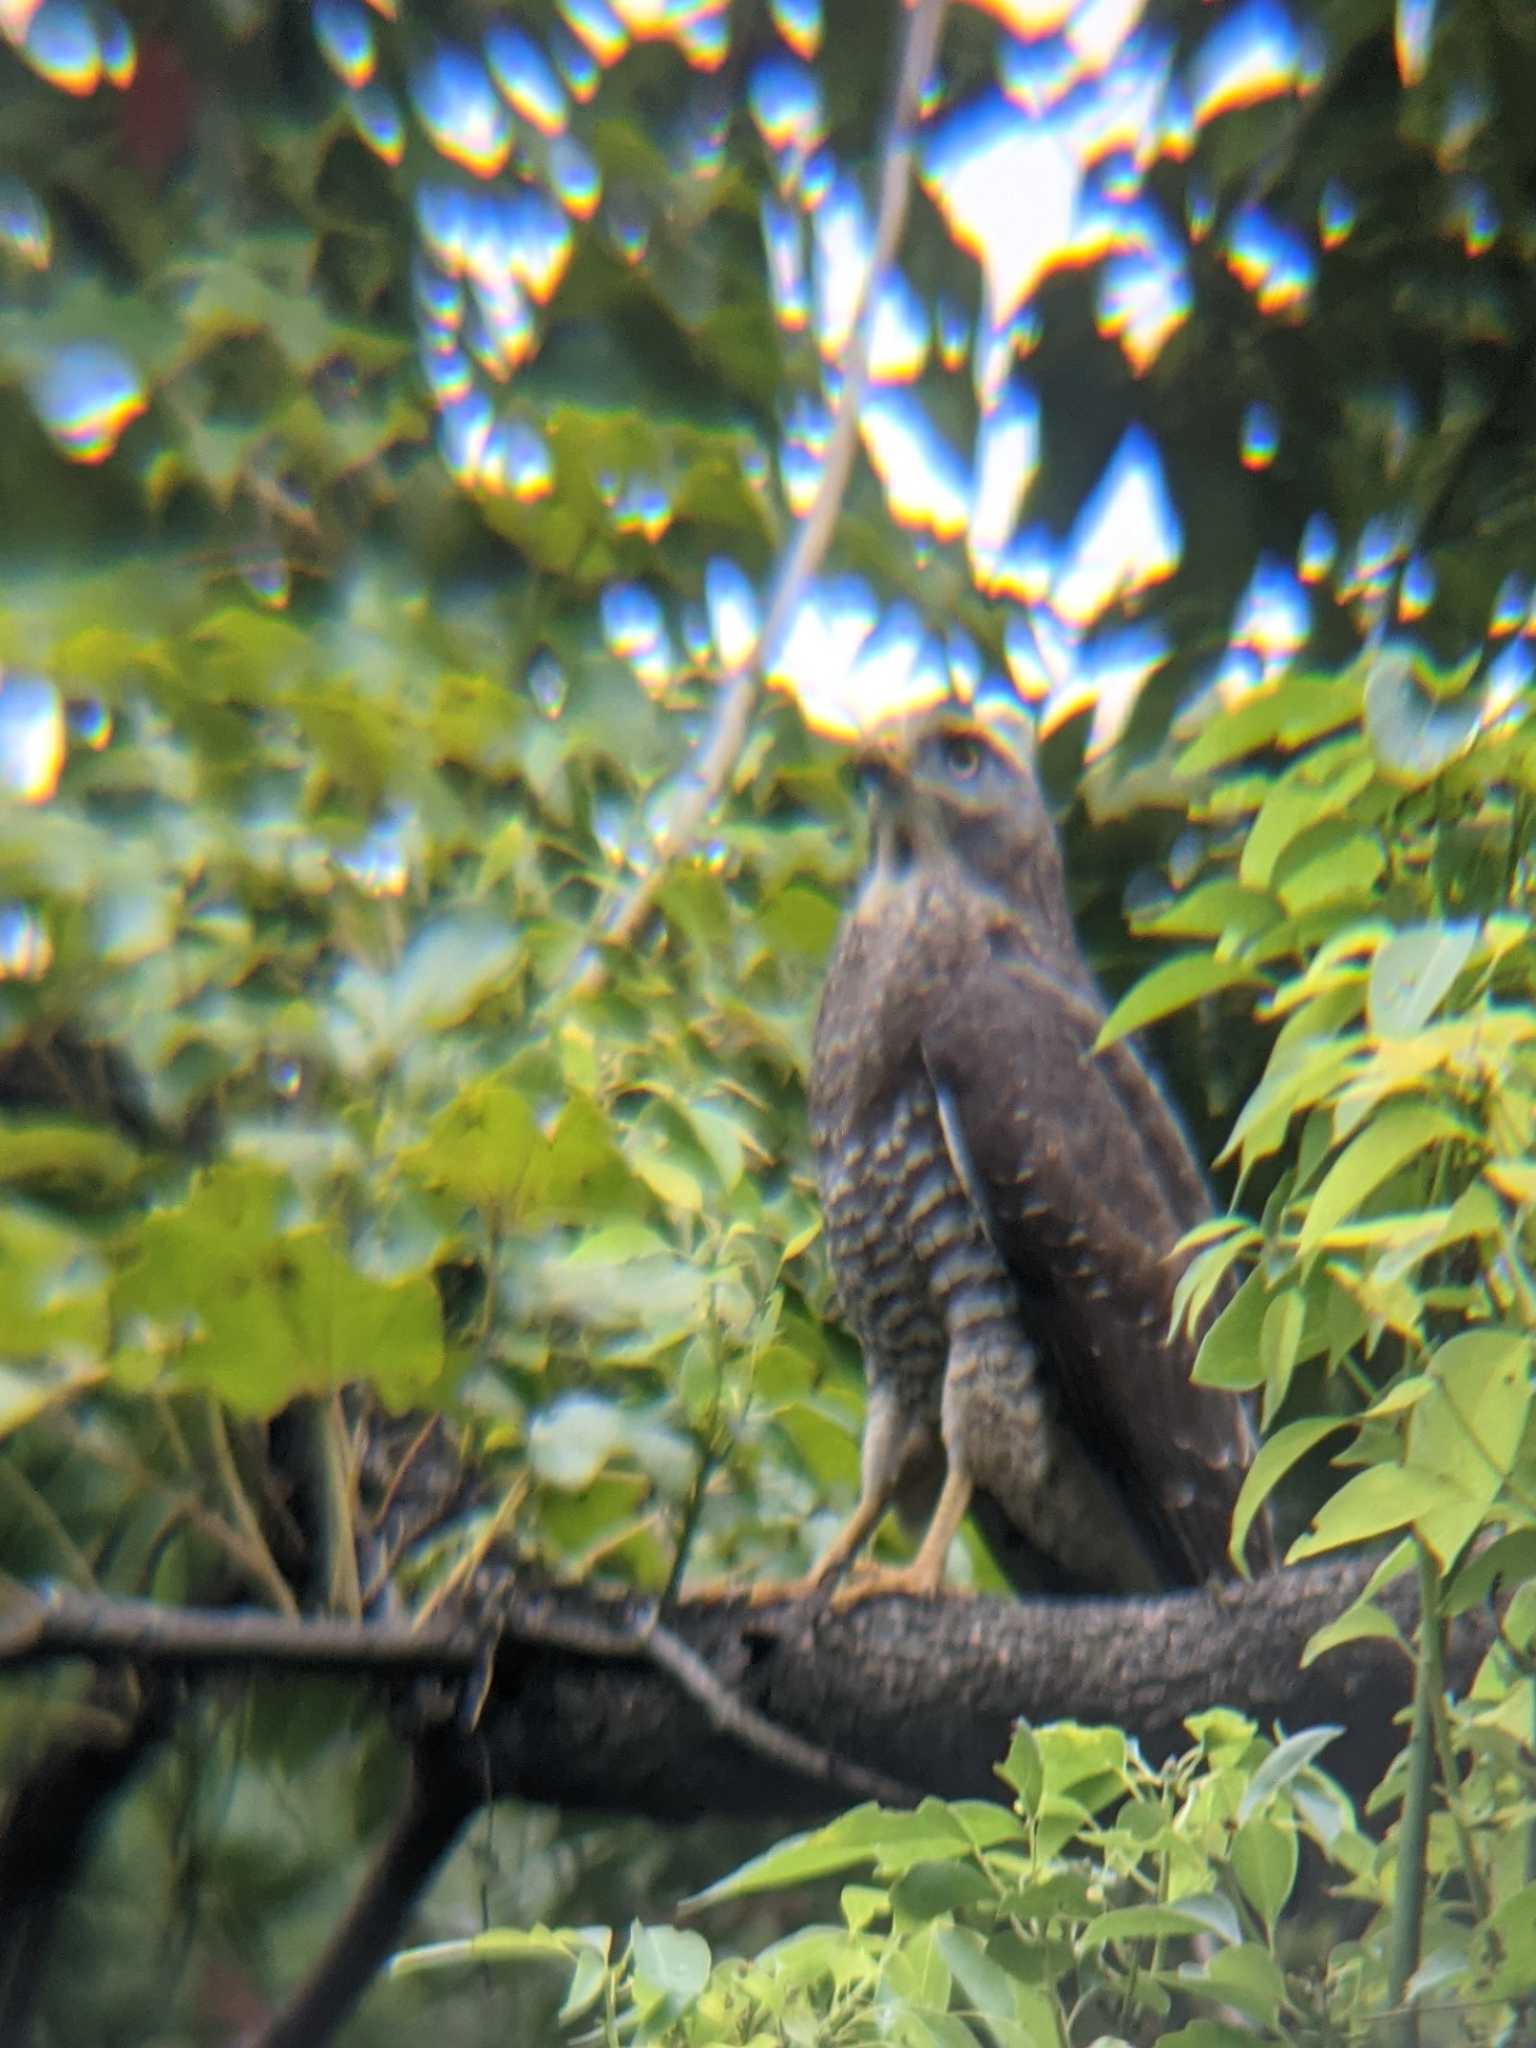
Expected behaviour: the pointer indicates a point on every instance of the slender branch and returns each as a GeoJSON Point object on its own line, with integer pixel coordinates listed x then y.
{"type": "Point", "coordinates": [442, 1796]}
{"type": "Point", "coordinates": [64, 1623]}
{"type": "Point", "coordinates": [258, 1558]}
{"type": "Point", "coordinates": [730, 1715]}
{"type": "Point", "coordinates": [703, 782]}
{"type": "Point", "coordinates": [1413, 1832]}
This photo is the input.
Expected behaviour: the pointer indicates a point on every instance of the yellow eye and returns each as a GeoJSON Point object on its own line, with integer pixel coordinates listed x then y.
{"type": "Point", "coordinates": [961, 754]}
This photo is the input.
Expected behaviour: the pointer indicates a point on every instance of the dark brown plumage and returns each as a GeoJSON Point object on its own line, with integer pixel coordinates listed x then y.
{"type": "Point", "coordinates": [1003, 1204]}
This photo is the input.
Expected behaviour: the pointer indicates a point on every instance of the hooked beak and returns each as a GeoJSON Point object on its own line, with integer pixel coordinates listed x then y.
{"type": "Point", "coordinates": [882, 763]}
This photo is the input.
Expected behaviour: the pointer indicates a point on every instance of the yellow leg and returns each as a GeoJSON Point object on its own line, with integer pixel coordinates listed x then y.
{"type": "Point", "coordinates": [851, 1538]}
{"type": "Point", "coordinates": [925, 1573]}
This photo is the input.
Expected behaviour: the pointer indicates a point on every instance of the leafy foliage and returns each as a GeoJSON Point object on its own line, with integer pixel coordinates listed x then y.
{"type": "Point", "coordinates": [321, 776]}
{"type": "Point", "coordinates": [1113, 1904]}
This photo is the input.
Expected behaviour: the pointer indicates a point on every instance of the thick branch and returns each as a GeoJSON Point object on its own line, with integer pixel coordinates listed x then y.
{"type": "Point", "coordinates": [583, 1711]}
{"type": "Point", "coordinates": [442, 1796]}
{"type": "Point", "coordinates": [926, 1692]}
{"type": "Point", "coordinates": [50, 1820]}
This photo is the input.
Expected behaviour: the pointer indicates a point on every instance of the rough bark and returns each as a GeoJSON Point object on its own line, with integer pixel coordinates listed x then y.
{"type": "Point", "coordinates": [726, 1708]}
{"type": "Point", "coordinates": [924, 1693]}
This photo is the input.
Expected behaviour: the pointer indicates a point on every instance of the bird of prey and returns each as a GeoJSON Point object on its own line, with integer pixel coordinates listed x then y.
{"type": "Point", "coordinates": [1003, 1203]}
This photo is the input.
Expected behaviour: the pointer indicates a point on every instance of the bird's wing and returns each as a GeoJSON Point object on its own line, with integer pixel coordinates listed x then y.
{"type": "Point", "coordinates": [1086, 1183]}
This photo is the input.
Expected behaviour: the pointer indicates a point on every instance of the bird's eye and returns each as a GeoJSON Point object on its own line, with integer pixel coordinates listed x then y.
{"type": "Point", "coordinates": [962, 755]}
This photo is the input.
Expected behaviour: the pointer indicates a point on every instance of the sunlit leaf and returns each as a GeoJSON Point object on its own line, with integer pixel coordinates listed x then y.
{"type": "Point", "coordinates": [1173, 986]}
{"type": "Point", "coordinates": [1386, 1145]}
{"type": "Point", "coordinates": [1411, 977]}
{"type": "Point", "coordinates": [1273, 1460]}
{"type": "Point", "coordinates": [1374, 1502]}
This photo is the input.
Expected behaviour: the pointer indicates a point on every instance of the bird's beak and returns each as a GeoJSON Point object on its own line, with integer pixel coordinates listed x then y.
{"type": "Point", "coordinates": [883, 761]}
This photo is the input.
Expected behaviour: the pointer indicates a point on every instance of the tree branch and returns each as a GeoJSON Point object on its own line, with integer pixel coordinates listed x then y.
{"type": "Point", "coordinates": [788, 1710]}
{"type": "Point", "coordinates": [50, 1819]}
{"type": "Point", "coordinates": [703, 783]}
{"type": "Point", "coordinates": [442, 1796]}
{"type": "Point", "coordinates": [63, 1623]}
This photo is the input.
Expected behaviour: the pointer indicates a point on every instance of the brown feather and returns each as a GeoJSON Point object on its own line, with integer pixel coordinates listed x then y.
{"type": "Point", "coordinates": [1003, 1204]}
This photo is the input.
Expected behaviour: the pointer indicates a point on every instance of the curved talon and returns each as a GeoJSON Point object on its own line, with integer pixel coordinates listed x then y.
{"type": "Point", "coordinates": [914, 1581]}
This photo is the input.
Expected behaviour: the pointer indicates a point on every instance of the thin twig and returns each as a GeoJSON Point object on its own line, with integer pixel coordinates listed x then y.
{"type": "Point", "coordinates": [703, 782]}
{"type": "Point", "coordinates": [731, 1715]}
{"type": "Point", "coordinates": [466, 1567]}
{"type": "Point", "coordinates": [725, 1710]}
{"type": "Point", "coordinates": [258, 1557]}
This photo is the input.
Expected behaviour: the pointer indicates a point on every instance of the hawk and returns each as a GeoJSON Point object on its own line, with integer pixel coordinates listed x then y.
{"type": "Point", "coordinates": [1003, 1204]}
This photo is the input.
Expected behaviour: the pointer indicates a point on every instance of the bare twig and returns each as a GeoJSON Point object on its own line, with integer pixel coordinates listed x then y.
{"type": "Point", "coordinates": [703, 782]}
{"type": "Point", "coordinates": [64, 1623]}
{"type": "Point", "coordinates": [725, 1710]}
{"type": "Point", "coordinates": [253, 1544]}
{"type": "Point", "coordinates": [731, 1715]}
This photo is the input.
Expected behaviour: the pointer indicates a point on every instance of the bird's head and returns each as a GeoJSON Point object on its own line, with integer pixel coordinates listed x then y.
{"type": "Point", "coordinates": [956, 783]}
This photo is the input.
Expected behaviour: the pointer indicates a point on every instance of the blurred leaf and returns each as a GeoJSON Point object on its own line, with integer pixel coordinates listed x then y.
{"type": "Point", "coordinates": [1173, 986]}
{"type": "Point", "coordinates": [1412, 976]}
{"type": "Point", "coordinates": [1387, 1143]}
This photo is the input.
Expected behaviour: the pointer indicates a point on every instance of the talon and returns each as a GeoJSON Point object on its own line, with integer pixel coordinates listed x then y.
{"type": "Point", "coordinates": [915, 1581]}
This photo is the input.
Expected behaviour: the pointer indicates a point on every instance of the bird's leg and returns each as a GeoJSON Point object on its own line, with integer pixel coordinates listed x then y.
{"type": "Point", "coordinates": [892, 1439]}
{"type": "Point", "coordinates": [925, 1574]}
{"type": "Point", "coordinates": [849, 1540]}
{"type": "Point", "coordinates": [834, 1560]}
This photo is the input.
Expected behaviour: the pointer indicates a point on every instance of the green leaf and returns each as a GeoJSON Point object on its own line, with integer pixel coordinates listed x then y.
{"type": "Point", "coordinates": [1466, 1432]}
{"type": "Point", "coordinates": [1287, 1447]}
{"type": "Point", "coordinates": [67, 1154]}
{"type": "Point", "coordinates": [1380, 1499]}
{"type": "Point", "coordinates": [1510, 1561]}
{"type": "Point", "coordinates": [1206, 1271]}
{"type": "Point", "coordinates": [1214, 910]}
{"type": "Point", "coordinates": [671, 1967]}
{"type": "Point", "coordinates": [493, 1945]}
{"type": "Point", "coordinates": [1229, 1354]}
{"type": "Point", "coordinates": [1412, 975]}
{"type": "Point", "coordinates": [486, 1147]}
{"type": "Point", "coordinates": [1264, 1858]}
{"type": "Point", "coordinates": [260, 1315]}
{"type": "Point", "coordinates": [1139, 1923]}
{"type": "Point", "coordinates": [989, 1990]}
{"type": "Point", "coordinates": [616, 1244]}
{"type": "Point", "coordinates": [870, 1834]}
{"type": "Point", "coordinates": [1299, 802]}
{"type": "Point", "coordinates": [1301, 708]}
{"type": "Point", "coordinates": [1413, 732]}
{"type": "Point", "coordinates": [1022, 1768]}
{"type": "Point", "coordinates": [1284, 1762]}
{"type": "Point", "coordinates": [1344, 869]}
{"type": "Point", "coordinates": [569, 1444]}
{"type": "Point", "coordinates": [54, 1284]}
{"type": "Point", "coordinates": [1172, 986]}
{"type": "Point", "coordinates": [1245, 1976]}
{"type": "Point", "coordinates": [1361, 1621]}
{"type": "Point", "coordinates": [588, 1982]}
{"type": "Point", "coordinates": [1385, 1145]}
{"type": "Point", "coordinates": [1280, 1344]}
